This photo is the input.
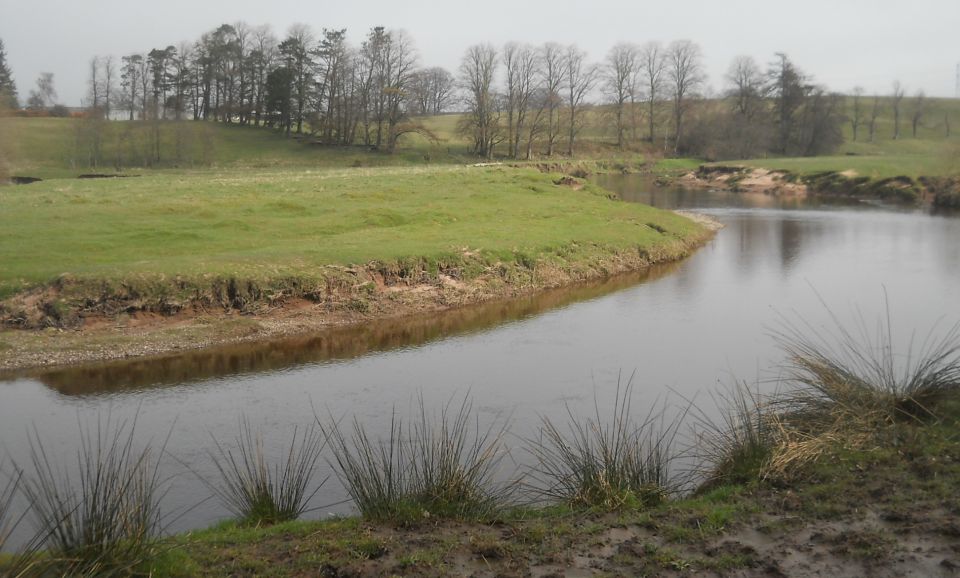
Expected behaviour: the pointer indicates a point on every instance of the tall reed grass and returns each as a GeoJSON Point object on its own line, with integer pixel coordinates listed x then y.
{"type": "Point", "coordinates": [20, 561]}
{"type": "Point", "coordinates": [614, 463]}
{"type": "Point", "coordinates": [101, 518]}
{"type": "Point", "coordinates": [8, 522]}
{"type": "Point", "coordinates": [845, 384]}
{"type": "Point", "coordinates": [259, 492]}
{"type": "Point", "coordinates": [736, 446]}
{"type": "Point", "coordinates": [442, 466]}
{"type": "Point", "coordinates": [858, 376]}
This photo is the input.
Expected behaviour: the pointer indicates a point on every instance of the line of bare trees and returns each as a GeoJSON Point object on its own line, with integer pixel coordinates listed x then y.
{"type": "Point", "coordinates": [546, 92]}
{"type": "Point", "coordinates": [339, 93]}
{"type": "Point", "coordinates": [518, 100]}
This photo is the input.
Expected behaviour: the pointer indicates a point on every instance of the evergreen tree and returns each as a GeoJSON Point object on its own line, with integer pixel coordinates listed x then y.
{"type": "Point", "coordinates": [8, 88]}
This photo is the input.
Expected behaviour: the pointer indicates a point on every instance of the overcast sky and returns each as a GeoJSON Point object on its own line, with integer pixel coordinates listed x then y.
{"type": "Point", "coordinates": [842, 43]}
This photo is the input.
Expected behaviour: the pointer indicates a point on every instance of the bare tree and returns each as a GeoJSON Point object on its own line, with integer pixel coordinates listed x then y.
{"type": "Point", "coordinates": [920, 103]}
{"type": "Point", "coordinates": [263, 58]}
{"type": "Point", "coordinates": [94, 85]}
{"type": "Point", "coordinates": [874, 115]}
{"type": "Point", "coordinates": [581, 78]}
{"type": "Point", "coordinates": [109, 84]}
{"type": "Point", "coordinates": [686, 75]}
{"type": "Point", "coordinates": [45, 94]}
{"type": "Point", "coordinates": [745, 131]}
{"type": "Point", "coordinates": [401, 59]}
{"type": "Point", "coordinates": [430, 90]}
{"type": "Point", "coordinates": [551, 56]}
{"type": "Point", "coordinates": [653, 64]}
{"type": "Point", "coordinates": [856, 113]}
{"type": "Point", "coordinates": [896, 99]}
{"type": "Point", "coordinates": [511, 62]}
{"type": "Point", "coordinates": [523, 82]}
{"type": "Point", "coordinates": [481, 121]}
{"type": "Point", "coordinates": [746, 86]}
{"type": "Point", "coordinates": [620, 74]}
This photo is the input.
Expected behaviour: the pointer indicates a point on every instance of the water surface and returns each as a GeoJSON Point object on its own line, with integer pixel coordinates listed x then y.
{"type": "Point", "coordinates": [682, 328]}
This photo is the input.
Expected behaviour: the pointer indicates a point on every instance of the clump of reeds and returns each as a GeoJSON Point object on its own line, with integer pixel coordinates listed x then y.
{"type": "Point", "coordinates": [737, 446]}
{"type": "Point", "coordinates": [439, 467]}
{"type": "Point", "coordinates": [857, 377]}
{"type": "Point", "coordinates": [259, 492]}
{"type": "Point", "coordinates": [850, 386]}
{"type": "Point", "coordinates": [103, 518]}
{"type": "Point", "coordinates": [609, 464]}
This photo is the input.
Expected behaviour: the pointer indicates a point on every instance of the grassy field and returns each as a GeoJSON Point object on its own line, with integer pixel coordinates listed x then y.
{"type": "Point", "coordinates": [54, 148]}
{"type": "Point", "coordinates": [272, 223]}
{"type": "Point", "coordinates": [931, 153]}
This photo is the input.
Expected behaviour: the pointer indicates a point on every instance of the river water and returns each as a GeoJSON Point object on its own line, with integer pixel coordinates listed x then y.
{"type": "Point", "coordinates": [680, 330]}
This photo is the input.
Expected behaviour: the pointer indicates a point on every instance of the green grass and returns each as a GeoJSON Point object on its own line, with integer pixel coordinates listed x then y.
{"type": "Point", "coordinates": [931, 153]}
{"type": "Point", "coordinates": [271, 223]}
{"type": "Point", "coordinates": [911, 159]}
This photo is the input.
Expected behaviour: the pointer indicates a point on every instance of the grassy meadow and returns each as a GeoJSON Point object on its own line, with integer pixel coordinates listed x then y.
{"type": "Point", "coordinates": [273, 223]}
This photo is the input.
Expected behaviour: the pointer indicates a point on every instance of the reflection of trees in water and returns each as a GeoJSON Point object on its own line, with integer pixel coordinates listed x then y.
{"type": "Point", "coordinates": [338, 343]}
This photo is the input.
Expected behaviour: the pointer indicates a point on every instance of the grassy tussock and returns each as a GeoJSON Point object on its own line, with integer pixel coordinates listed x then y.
{"type": "Point", "coordinates": [857, 376]}
{"type": "Point", "coordinates": [258, 492]}
{"type": "Point", "coordinates": [102, 518]}
{"type": "Point", "coordinates": [736, 447]}
{"type": "Point", "coordinates": [439, 466]}
{"type": "Point", "coordinates": [844, 387]}
{"type": "Point", "coordinates": [609, 464]}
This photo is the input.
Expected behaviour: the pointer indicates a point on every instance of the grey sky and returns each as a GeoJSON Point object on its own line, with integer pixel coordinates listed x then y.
{"type": "Point", "coordinates": [842, 43]}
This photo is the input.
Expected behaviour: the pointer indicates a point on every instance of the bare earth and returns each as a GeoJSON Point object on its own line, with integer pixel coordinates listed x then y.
{"type": "Point", "coordinates": [757, 181]}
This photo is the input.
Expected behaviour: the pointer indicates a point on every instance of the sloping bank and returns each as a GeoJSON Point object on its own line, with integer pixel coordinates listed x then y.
{"type": "Point", "coordinates": [110, 269]}
{"type": "Point", "coordinates": [941, 192]}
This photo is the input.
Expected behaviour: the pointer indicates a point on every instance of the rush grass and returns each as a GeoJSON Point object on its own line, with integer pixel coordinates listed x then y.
{"type": "Point", "coordinates": [610, 462]}
{"type": "Point", "coordinates": [102, 517]}
{"type": "Point", "coordinates": [259, 491]}
{"type": "Point", "coordinates": [433, 466]}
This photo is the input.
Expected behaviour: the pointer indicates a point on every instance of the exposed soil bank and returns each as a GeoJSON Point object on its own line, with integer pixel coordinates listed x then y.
{"type": "Point", "coordinates": [75, 321]}
{"type": "Point", "coordinates": [938, 191]}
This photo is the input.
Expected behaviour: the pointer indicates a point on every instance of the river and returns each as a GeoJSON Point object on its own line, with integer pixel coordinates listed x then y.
{"type": "Point", "coordinates": [681, 331]}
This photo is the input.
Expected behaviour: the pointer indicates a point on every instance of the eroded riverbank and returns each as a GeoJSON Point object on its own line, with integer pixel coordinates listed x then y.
{"type": "Point", "coordinates": [366, 295]}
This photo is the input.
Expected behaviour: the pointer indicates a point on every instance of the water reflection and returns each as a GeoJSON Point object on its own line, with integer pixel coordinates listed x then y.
{"type": "Point", "coordinates": [334, 344]}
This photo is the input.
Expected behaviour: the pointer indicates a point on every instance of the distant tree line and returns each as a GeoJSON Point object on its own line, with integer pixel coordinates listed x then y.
{"type": "Point", "coordinates": [778, 111]}
{"type": "Point", "coordinates": [518, 101]}
{"type": "Point", "coordinates": [323, 86]}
